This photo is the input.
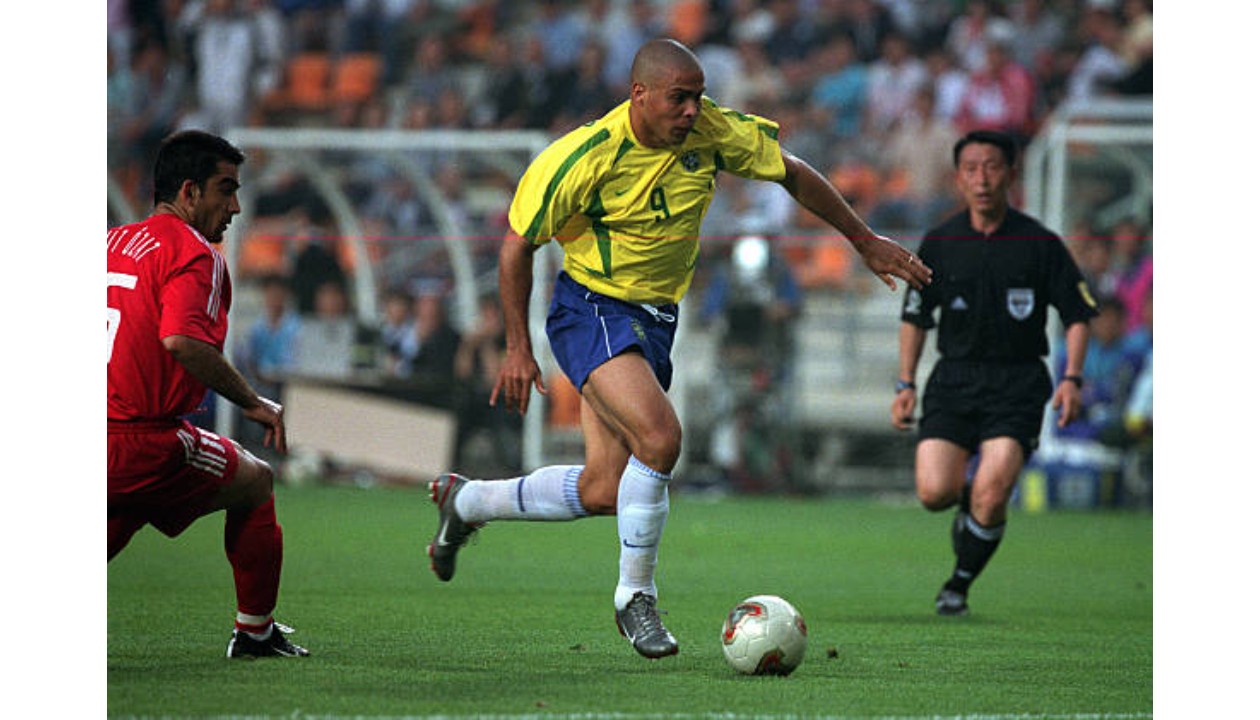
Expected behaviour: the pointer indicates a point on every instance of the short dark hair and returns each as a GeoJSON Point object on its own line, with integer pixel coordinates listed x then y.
{"type": "Point", "coordinates": [1003, 141]}
{"type": "Point", "coordinates": [189, 155]}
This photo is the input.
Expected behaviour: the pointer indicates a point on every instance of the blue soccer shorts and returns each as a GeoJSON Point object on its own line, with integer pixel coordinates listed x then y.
{"type": "Point", "coordinates": [587, 329]}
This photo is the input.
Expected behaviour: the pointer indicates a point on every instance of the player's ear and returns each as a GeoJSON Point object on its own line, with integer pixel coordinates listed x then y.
{"type": "Point", "coordinates": [637, 91]}
{"type": "Point", "coordinates": [189, 191]}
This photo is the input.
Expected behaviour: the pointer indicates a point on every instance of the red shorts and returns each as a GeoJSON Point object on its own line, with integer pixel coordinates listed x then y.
{"type": "Point", "coordinates": [166, 474]}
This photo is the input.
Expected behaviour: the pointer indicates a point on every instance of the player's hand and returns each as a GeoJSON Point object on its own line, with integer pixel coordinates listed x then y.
{"type": "Point", "coordinates": [518, 374]}
{"type": "Point", "coordinates": [903, 409]}
{"type": "Point", "coordinates": [1067, 401]}
{"type": "Point", "coordinates": [270, 415]}
{"type": "Point", "coordinates": [888, 259]}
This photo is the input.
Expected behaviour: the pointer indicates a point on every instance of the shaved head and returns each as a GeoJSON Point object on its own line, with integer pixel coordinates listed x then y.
{"type": "Point", "coordinates": [657, 59]}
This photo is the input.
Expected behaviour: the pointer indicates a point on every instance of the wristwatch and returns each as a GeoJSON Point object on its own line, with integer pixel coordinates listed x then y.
{"type": "Point", "coordinates": [904, 385]}
{"type": "Point", "coordinates": [1076, 380]}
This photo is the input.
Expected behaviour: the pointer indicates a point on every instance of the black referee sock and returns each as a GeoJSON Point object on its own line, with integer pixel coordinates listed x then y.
{"type": "Point", "coordinates": [975, 545]}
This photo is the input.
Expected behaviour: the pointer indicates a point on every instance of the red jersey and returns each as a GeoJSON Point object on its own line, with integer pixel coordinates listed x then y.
{"type": "Point", "coordinates": [163, 279]}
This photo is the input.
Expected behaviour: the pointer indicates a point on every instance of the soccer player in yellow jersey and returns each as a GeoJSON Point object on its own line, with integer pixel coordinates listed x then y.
{"type": "Point", "coordinates": [624, 196]}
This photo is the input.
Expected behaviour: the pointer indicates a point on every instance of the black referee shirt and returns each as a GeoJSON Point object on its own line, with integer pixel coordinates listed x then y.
{"type": "Point", "coordinates": [993, 290]}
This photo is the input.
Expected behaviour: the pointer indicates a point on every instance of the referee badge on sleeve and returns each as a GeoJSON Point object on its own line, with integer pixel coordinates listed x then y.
{"type": "Point", "coordinates": [1020, 302]}
{"type": "Point", "coordinates": [913, 303]}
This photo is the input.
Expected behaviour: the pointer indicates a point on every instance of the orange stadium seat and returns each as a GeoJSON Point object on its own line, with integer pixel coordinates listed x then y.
{"type": "Point", "coordinates": [307, 85]}
{"type": "Point", "coordinates": [356, 78]}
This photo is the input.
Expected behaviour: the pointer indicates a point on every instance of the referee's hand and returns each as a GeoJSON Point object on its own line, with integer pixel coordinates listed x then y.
{"type": "Point", "coordinates": [903, 409]}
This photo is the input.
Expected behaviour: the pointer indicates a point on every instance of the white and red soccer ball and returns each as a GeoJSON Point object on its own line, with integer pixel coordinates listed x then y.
{"type": "Point", "coordinates": [764, 635]}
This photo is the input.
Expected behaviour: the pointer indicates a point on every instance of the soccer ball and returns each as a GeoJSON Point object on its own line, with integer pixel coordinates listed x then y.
{"type": "Point", "coordinates": [764, 635]}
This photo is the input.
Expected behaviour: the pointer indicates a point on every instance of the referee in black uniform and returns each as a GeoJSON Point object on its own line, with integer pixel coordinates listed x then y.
{"type": "Point", "coordinates": [996, 271]}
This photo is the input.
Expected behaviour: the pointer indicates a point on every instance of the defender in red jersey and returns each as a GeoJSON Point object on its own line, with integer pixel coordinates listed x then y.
{"type": "Point", "coordinates": [168, 295]}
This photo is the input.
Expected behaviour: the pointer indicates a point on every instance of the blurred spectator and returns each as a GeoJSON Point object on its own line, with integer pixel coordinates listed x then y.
{"type": "Point", "coordinates": [760, 208]}
{"type": "Point", "coordinates": [1000, 93]}
{"type": "Point", "coordinates": [226, 50]}
{"type": "Point", "coordinates": [722, 65]}
{"type": "Point", "coordinates": [271, 46]}
{"type": "Point", "coordinates": [544, 97]}
{"type": "Point", "coordinates": [1133, 266]}
{"type": "Point", "coordinates": [841, 90]}
{"type": "Point", "coordinates": [1093, 256]}
{"type": "Point", "coordinates": [1040, 29]}
{"type": "Point", "coordinates": [270, 349]}
{"type": "Point", "coordinates": [893, 80]}
{"type": "Point", "coordinates": [790, 42]}
{"type": "Point", "coordinates": [1100, 65]}
{"type": "Point", "coordinates": [562, 31]}
{"type": "Point", "coordinates": [119, 31]}
{"type": "Point", "coordinates": [1109, 372]}
{"type": "Point", "coordinates": [431, 72]}
{"type": "Point", "coordinates": [759, 85]}
{"type": "Point", "coordinates": [396, 322]}
{"type": "Point", "coordinates": [750, 22]}
{"type": "Point", "coordinates": [1139, 420]}
{"type": "Point", "coordinates": [504, 100]}
{"type": "Point", "coordinates": [488, 440]}
{"type": "Point", "coordinates": [586, 95]}
{"type": "Point", "coordinates": [969, 32]}
{"type": "Point", "coordinates": [621, 27]}
{"type": "Point", "coordinates": [145, 103]}
{"type": "Point", "coordinates": [753, 300]}
{"type": "Point", "coordinates": [868, 23]}
{"type": "Point", "coordinates": [427, 350]}
{"type": "Point", "coordinates": [329, 339]}
{"type": "Point", "coordinates": [949, 82]}
{"type": "Point", "coordinates": [919, 158]}
{"type": "Point", "coordinates": [451, 110]}
{"type": "Point", "coordinates": [1137, 49]}
{"type": "Point", "coordinates": [313, 267]}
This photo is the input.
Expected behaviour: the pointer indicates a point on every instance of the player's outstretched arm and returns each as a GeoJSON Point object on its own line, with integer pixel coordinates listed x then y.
{"type": "Point", "coordinates": [519, 371]}
{"type": "Point", "coordinates": [208, 365]}
{"type": "Point", "coordinates": [884, 257]}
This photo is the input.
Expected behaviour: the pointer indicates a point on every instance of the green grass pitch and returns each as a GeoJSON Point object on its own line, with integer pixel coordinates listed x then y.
{"type": "Point", "coordinates": [1061, 624]}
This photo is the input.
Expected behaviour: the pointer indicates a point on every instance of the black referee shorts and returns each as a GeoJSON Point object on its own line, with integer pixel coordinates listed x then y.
{"type": "Point", "coordinates": [968, 402]}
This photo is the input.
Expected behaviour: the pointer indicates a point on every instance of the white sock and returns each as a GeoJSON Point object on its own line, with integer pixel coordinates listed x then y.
{"type": "Point", "coordinates": [548, 493]}
{"type": "Point", "coordinates": [642, 508]}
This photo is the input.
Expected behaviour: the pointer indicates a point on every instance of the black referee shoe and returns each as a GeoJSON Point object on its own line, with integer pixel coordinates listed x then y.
{"type": "Point", "coordinates": [951, 603]}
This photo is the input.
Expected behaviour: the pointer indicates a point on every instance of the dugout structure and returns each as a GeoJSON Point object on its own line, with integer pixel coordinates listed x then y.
{"type": "Point", "coordinates": [1091, 166]}
{"type": "Point", "coordinates": [396, 205]}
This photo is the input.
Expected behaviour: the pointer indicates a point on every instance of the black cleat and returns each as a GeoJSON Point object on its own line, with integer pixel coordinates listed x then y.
{"type": "Point", "coordinates": [641, 625]}
{"type": "Point", "coordinates": [276, 645]}
{"type": "Point", "coordinates": [452, 532]}
{"type": "Point", "coordinates": [951, 603]}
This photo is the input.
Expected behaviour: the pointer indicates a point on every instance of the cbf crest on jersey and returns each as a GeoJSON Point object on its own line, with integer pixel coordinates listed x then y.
{"type": "Point", "coordinates": [1019, 302]}
{"type": "Point", "coordinates": [690, 160]}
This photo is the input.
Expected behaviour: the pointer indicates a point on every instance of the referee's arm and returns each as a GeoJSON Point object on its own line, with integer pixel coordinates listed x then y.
{"type": "Point", "coordinates": [1067, 396]}
{"type": "Point", "coordinates": [910, 348]}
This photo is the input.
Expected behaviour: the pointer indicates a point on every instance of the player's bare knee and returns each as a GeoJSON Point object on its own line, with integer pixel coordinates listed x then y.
{"type": "Point", "coordinates": [935, 497]}
{"type": "Point", "coordinates": [660, 448]}
{"type": "Point", "coordinates": [256, 480]}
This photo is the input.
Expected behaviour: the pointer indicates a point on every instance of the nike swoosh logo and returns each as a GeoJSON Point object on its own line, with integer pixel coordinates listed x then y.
{"type": "Point", "coordinates": [629, 544]}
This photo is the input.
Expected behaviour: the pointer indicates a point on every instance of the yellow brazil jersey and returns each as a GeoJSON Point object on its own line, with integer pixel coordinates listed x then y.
{"type": "Point", "coordinates": [628, 216]}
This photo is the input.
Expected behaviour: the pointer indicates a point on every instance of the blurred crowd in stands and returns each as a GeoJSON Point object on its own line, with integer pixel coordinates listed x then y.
{"type": "Point", "coordinates": [873, 92]}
